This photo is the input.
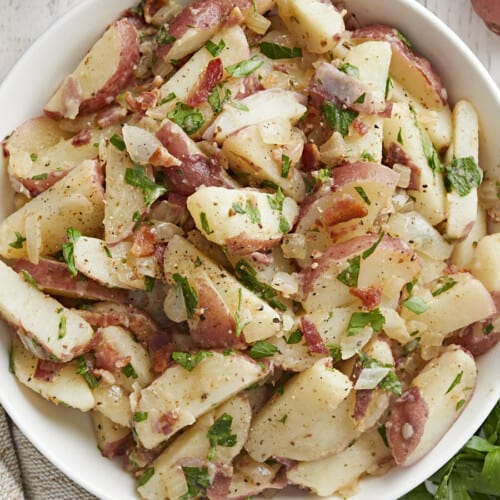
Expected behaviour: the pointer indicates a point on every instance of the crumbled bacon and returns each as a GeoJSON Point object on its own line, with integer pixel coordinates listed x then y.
{"type": "Point", "coordinates": [310, 157]}
{"type": "Point", "coordinates": [370, 296]}
{"type": "Point", "coordinates": [47, 370]}
{"type": "Point", "coordinates": [315, 342]}
{"type": "Point", "coordinates": [207, 82]}
{"type": "Point", "coordinates": [143, 244]}
{"type": "Point", "coordinates": [82, 138]}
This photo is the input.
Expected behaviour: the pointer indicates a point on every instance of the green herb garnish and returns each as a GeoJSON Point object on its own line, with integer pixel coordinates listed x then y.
{"type": "Point", "coordinates": [136, 176]}
{"type": "Point", "coordinates": [188, 292]}
{"type": "Point", "coordinates": [275, 51]}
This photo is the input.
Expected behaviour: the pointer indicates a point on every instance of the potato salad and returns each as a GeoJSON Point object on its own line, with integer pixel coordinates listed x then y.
{"type": "Point", "coordinates": [253, 240]}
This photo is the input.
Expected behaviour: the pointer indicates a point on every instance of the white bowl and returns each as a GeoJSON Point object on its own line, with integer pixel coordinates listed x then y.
{"type": "Point", "coordinates": [65, 436]}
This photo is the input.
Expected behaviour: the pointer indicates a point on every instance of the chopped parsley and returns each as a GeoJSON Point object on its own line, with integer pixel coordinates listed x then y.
{"type": "Point", "coordinates": [188, 292]}
{"type": "Point", "coordinates": [188, 118]}
{"type": "Point", "coordinates": [388, 85]}
{"type": "Point", "coordinates": [149, 283]}
{"type": "Point", "coordinates": [283, 419]}
{"type": "Point", "coordinates": [237, 318]}
{"type": "Point", "coordinates": [167, 98]}
{"type": "Point", "coordinates": [400, 137]}
{"type": "Point", "coordinates": [284, 225]}
{"type": "Point", "coordinates": [163, 38]}
{"type": "Point", "coordinates": [262, 349]}
{"type": "Point", "coordinates": [34, 157]}
{"type": "Point", "coordinates": [204, 223]}
{"type": "Point", "coordinates": [18, 242]}
{"type": "Point", "coordinates": [219, 434]}
{"type": "Point", "coordinates": [349, 69]}
{"type": "Point", "coordinates": [349, 276]}
{"type": "Point", "coordinates": [244, 68]}
{"type": "Point", "coordinates": [446, 283]}
{"type": "Point", "coordinates": [295, 337]}
{"type": "Point", "coordinates": [247, 276]}
{"type": "Point", "coordinates": [360, 99]}
{"type": "Point", "coordinates": [197, 482]}
{"type": "Point", "coordinates": [455, 382]}
{"type": "Point", "coordinates": [391, 383]}
{"type": "Point", "coordinates": [146, 476]}
{"type": "Point", "coordinates": [487, 329]}
{"type": "Point", "coordinates": [363, 194]}
{"type": "Point", "coordinates": [250, 210]}
{"type": "Point", "coordinates": [335, 352]}
{"type": "Point", "coordinates": [372, 249]}
{"type": "Point", "coordinates": [117, 142]}
{"type": "Point", "coordinates": [68, 249]}
{"type": "Point", "coordinates": [129, 371]}
{"type": "Point", "coordinates": [136, 176]}
{"type": "Point", "coordinates": [462, 175]}
{"type": "Point", "coordinates": [360, 320]}
{"type": "Point", "coordinates": [365, 155]}
{"type": "Point", "coordinates": [275, 51]}
{"type": "Point", "coordinates": [416, 304]}
{"type": "Point", "coordinates": [337, 118]}
{"type": "Point", "coordinates": [40, 177]}
{"type": "Point", "coordinates": [140, 416]}
{"type": "Point", "coordinates": [215, 48]}
{"type": "Point", "coordinates": [286, 163]}
{"type": "Point", "coordinates": [404, 40]}
{"type": "Point", "coordinates": [276, 201]}
{"type": "Point", "coordinates": [83, 370]}
{"type": "Point", "coordinates": [29, 279]}
{"type": "Point", "coordinates": [61, 329]}
{"type": "Point", "coordinates": [215, 101]}
{"type": "Point", "coordinates": [190, 361]}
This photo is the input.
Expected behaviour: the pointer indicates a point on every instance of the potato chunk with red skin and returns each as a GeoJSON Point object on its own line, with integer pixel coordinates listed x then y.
{"type": "Point", "coordinates": [104, 72]}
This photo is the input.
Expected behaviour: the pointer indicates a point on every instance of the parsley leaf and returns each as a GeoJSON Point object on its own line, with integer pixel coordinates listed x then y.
{"type": "Point", "coordinates": [18, 242]}
{"type": "Point", "coordinates": [219, 434]}
{"type": "Point", "coordinates": [129, 371]}
{"type": "Point", "coordinates": [446, 282]}
{"type": "Point", "coordinates": [416, 304]}
{"type": "Point", "coordinates": [391, 383]}
{"type": "Point", "coordinates": [136, 176]}
{"type": "Point", "coordinates": [295, 337]}
{"type": "Point", "coordinates": [190, 361]}
{"type": "Point", "coordinates": [275, 51]}
{"type": "Point", "coordinates": [140, 416]}
{"type": "Point", "coordinates": [276, 201]}
{"type": "Point", "coordinates": [163, 38]}
{"type": "Point", "coordinates": [262, 349]}
{"type": "Point", "coordinates": [237, 317]}
{"type": "Point", "coordinates": [360, 99]}
{"type": "Point", "coordinates": [167, 98]}
{"type": "Point", "coordinates": [197, 482]}
{"type": "Point", "coordinates": [360, 320]}
{"type": "Point", "coordinates": [188, 292]}
{"type": "Point", "coordinates": [188, 118]}
{"type": "Point", "coordinates": [349, 276]}
{"type": "Point", "coordinates": [204, 223]}
{"type": "Point", "coordinates": [404, 40]}
{"type": "Point", "coordinates": [117, 142]}
{"type": "Point", "coordinates": [462, 175]}
{"type": "Point", "coordinates": [388, 85]}
{"type": "Point", "coordinates": [244, 68]}
{"type": "Point", "coordinates": [286, 163]}
{"type": "Point", "coordinates": [40, 177]}
{"type": "Point", "coordinates": [146, 476]}
{"type": "Point", "coordinates": [215, 48]}
{"type": "Point", "coordinates": [363, 194]}
{"type": "Point", "coordinates": [83, 370]}
{"type": "Point", "coordinates": [61, 329]}
{"type": "Point", "coordinates": [284, 225]}
{"type": "Point", "coordinates": [372, 249]}
{"type": "Point", "coordinates": [455, 382]}
{"type": "Point", "coordinates": [335, 352]}
{"type": "Point", "coordinates": [68, 249]}
{"type": "Point", "coordinates": [349, 69]}
{"type": "Point", "coordinates": [337, 118]}
{"type": "Point", "coordinates": [247, 276]}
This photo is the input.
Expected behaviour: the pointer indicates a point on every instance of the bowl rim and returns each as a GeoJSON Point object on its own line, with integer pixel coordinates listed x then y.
{"type": "Point", "coordinates": [118, 6]}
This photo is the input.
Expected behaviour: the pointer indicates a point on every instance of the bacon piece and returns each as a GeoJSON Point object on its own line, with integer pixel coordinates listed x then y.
{"type": "Point", "coordinates": [54, 277]}
{"type": "Point", "coordinates": [313, 339]}
{"type": "Point", "coordinates": [343, 208]}
{"type": "Point", "coordinates": [46, 370]}
{"type": "Point", "coordinates": [111, 115]}
{"type": "Point", "coordinates": [165, 422]}
{"type": "Point", "coordinates": [334, 85]}
{"type": "Point", "coordinates": [143, 242]}
{"type": "Point", "coordinates": [82, 138]}
{"type": "Point", "coordinates": [395, 154]}
{"type": "Point", "coordinates": [39, 185]}
{"type": "Point", "coordinates": [248, 86]}
{"type": "Point", "coordinates": [310, 157]}
{"type": "Point", "coordinates": [219, 488]}
{"type": "Point", "coordinates": [360, 127]}
{"type": "Point", "coordinates": [406, 423]}
{"type": "Point", "coordinates": [370, 296]}
{"type": "Point", "coordinates": [117, 448]}
{"type": "Point", "coordinates": [208, 80]}
{"type": "Point", "coordinates": [161, 349]}
{"type": "Point", "coordinates": [108, 358]}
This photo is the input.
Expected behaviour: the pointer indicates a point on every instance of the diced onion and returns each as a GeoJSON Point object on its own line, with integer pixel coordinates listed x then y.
{"type": "Point", "coordinates": [166, 13]}
{"type": "Point", "coordinates": [294, 246]}
{"type": "Point", "coordinates": [351, 345]}
{"type": "Point", "coordinates": [285, 283]}
{"type": "Point", "coordinates": [276, 131]}
{"type": "Point", "coordinates": [369, 378]}
{"type": "Point", "coordinates": [404, 174]}
{"type": "Point", "coordinates": [256, 22]}
{"type": "Point", "coordinates": [174, 305]}
{"type": "Point", "coordinates": [163, 231]}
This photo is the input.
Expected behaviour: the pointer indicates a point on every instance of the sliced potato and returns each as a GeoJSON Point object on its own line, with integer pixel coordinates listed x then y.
{"type": "Point", "coordinates": [178, 397]}
{"type": "Point", "coordinates": [112, 439]}
{"type": "Point", "coordinates": [485, 263]}
{"type": "Point", "coordinates": [53, 331]}
{"type": "Point", "coordinates": [113, 402]}
{"type": "Point", "coordinates": [168, 479]}
{"type": "Point", "coordinates": [62, 385]}
{"type": "Point", "coordinates": [296, 424]}
{"type": "Point", "coordinates": [53, 214]}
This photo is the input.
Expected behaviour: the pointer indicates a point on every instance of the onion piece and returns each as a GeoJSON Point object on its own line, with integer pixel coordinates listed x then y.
{"type": "Point", "coordinates": [256, 22]}
{"type": "Point", "coordinates": [369, 378]}
{"type": "Point", "coordinates": [174, 305]}
{"type": "Point", "coordinates": [404, 174]}
{"type": "Point", "coordinates": [294, 246]}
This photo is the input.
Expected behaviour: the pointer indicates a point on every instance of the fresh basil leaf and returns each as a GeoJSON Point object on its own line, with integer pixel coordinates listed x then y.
{"type": "Point", "coordinates": [275, 51]}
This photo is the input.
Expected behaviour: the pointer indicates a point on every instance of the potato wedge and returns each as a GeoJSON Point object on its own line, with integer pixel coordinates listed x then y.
{"type": "Point", "coordinates": [168, 478]}
{"type": "Point", "coordinates": [293, 424]}
{"type": "Point", "coordinates": [112, 401]}
{"type": "Point", "coordinates": [178, 397]}
{"type": "Point", "coordinates": [485, 264]}
{"type": "Point", "coordinates": [59, 383]}
{"type": "Point", "coordinates": [112, 439]}
{"type": "Point", "coordinates": [53, 332]}
{"type": "Point", "coordinates": [101, 76]}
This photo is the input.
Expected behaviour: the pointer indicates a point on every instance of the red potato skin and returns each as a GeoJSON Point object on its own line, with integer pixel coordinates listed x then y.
{"type": "Point", "coordinates": [395, 154]}
{"type": "Point", "coordinates": [117, 448]}
{"type": "Point", "coordinates": [370, 297]}
{"type": "Point", "coordinates": [209, 79]}
{"type": "Point", "coordinates": [55, 277]}
{"type": "Point", "coordinates": [37, 186]}
{"type": "Point", "coordinates": [364, 171]}
{"type": "Point", "coordinates": [391, 35]}
{"type": "Point", "coordinates": [47, 370]}
{"type": "Point", "coordinates": [119, 80]}
{"type": "Point", "coordinates": [474, 339]}
{"type": "Point", "coordinates": [411, 409]}
{"type": "Point", "coordinates": [244, 244]}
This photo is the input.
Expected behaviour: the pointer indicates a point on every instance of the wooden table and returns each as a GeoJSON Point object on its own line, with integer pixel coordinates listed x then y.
{"type": "Point", "coordinates": [21, 22]}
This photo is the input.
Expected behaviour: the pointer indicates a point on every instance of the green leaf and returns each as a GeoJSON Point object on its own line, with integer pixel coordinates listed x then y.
{"type": "Point", "coordinates": [190, 361]}
{"type": "Point", "coordinates": [136, 176]}
{"type": "Point", "coordinates": [487, 329]}
{"type": "Point", "coordinates": [140, 416]}
{"type": "Point", "coordinates": [335, 352]}
{"type": "Point", "coordinates": [360, 99]}
{"type": "Point", "coordinates": [83, 370]}
{"type": "Point", "coordinates": [117, 142]}
{"type": "Point", "coordinates": [419, 493]}
{"type": "Point", "coordinates": [455, 382]}
{"type": "Point", "coordinates": [286, 163]}
{"type": "Point", "coordinates": [146, 476]}
{"type": "Point", "coordinates": [492, 425]}
{"type": "Point", "coordinates": [372, 249]}
{"type": "Point", "coordinates": [61, 329]}
{"type": "Point", "coordinates": [446, 283]}
{"type": "Point", "coordinates": [252, 212]}
{"type": "Point", "coordinates": [163, 38]}
{"type": "Point", "coordinates": [360, 320]}
{"type": "Point", "coordinates": [219, 434]}
{"type": "Point", "coordinates": [18, 242]}
{"type": "Point", "coordinates": [276, 201]}
{"type": "Point", "coordinates": [68, 249]}
{"type": "Point", "coordinates": [197, 482]}
{"type": "Point", "coordinates": [215, 48]}
{"type": "Point", "coordinates": [477, 443]}
{"type": "Point", "coordinates": [28, 278]}
{"type": "Point", "coordinates": [388, 85]}
{"type": "Point", "coordinates": [349, 69]}
{"type": "Point", "coordinates": [167, 98]}
{"type": "Point", "coordinates": [149, 283]}
{"type": "Point", "coordinates": [349, 276]}
{"type": "Point", "coordinates": [404, 40]}
{"type": "Point", "coordinates": [416, 304]}
{"type": "Point", "coordinates": [391, 383]}
{"type": "Point", "coordinates": [365, 155]}
{"type": "Point", "coordinates": [262, 349]}
{"type": "Point", "coordinates": [430, 152]}
{"type": "Point", "coordinates": [400, 137]}
{"type": "Point", "coordinates": [284, 225]}
{"type": "Point", "coordinates": [275, 51]}
{"type": "Point", "coordinates": [244, 68]}
{"type": "Point", "coordinates": [204, 223]}
{"type": "Point", "coordinates": [462, 175]}
{"type": "Point", "coordinates": [337, 118]}
{"type": "Point", "coordinates": [188, 292]}
{"type": "Point", "coordinates": [40, 177]}
{"type": "Point", "coordinates": [247, 276]}
{"type": "Point", "coordinates": [129, 371]}
{"type": "Point", "coordinates": [237, 318]}
{"type": "Point", "coordinates": [363, 194]}
{"type": "Point", "coordinates": [34, 157]}
{"type": "Point", "coordinates": [295, 337]}
{"type": "Point", "coordinates": [188, 118]}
